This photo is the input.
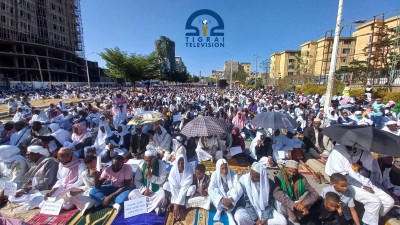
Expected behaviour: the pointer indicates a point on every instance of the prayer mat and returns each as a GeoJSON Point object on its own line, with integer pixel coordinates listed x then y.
{"type": "Point", "coordinates": [44, 219]}
{"type": "Point", "coordinates": [94, 216]}
{"type": "Point", "coordinates": [303, 170]}
{"type": "Point", "coordinates": [18, 212]}
{"type": "Point", "coordinates": [198, 217]}
{"type": "Point", "coordinates": [142, 219]}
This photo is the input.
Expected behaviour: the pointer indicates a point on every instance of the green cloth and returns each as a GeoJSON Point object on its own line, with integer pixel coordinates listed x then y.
{"type": "Point", "coordinates": [154, 187]}
{"type": "Point", "coordinates": [289, 189]}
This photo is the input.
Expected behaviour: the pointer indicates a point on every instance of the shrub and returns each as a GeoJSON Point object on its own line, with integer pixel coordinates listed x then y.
{"type": "Point", "coordinates": [394, 95]}
{"type": "Point", "coordinates": [357, 92]}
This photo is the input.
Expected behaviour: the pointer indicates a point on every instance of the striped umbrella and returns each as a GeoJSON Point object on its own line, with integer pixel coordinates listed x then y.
{"type": "Point", "coordinates": [203, 126]}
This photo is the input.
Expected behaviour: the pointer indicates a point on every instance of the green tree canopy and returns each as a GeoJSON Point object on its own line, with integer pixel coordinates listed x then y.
{"type": "Point", "coordinates": [133, 67]}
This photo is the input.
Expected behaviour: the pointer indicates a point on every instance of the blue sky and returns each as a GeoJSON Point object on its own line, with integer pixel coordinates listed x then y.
{"type": "Point", "coordinates": [253, 26]}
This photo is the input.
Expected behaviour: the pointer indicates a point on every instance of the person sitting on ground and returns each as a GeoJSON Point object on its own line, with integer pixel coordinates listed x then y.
{"type": "Point", "coordinates": [38, 130]}
{"type": "Point", "coordinates": [207, 148]}
{"type": "Point", "coordinates": [381, 168]}
{"type": "Point", "coordinates": [117, 143]}
{"type": "Point", "coordinates": [313, 139]}
{"type": "Point", "coordinates": [162, 141]}
{"type": "Point", "coordinates": [177, 148]}
{"type": "Point", "coordinates": [293, 193]}
{"type": "Point", "coordinates": [13, 165]}
{"type": "Point", "coordinates": [256, 205]}
{"type": "Point", "coordinates": [80, 196]}
{"type": "Point", "coordinates": [261, 146]}
{"type": "Point", "coordinates": [99, 144]}
{"type": "Point", "coordinates": [7, 132]}
{"type": "Point", "coordinates": [356, 165]}
{"type": "Point", "coordinates": [325, 211]}
{"type": "Point", "coordinates": [149, 179]}
{"type": "Point", "coordinates": [391, 127]}
{"type": "Point", "coordinates": [221, 189]}
{"type": "Point", "coordinates": [120, 177]}
{"type": "Point", "coordinates": [237, 141]}
{"type": "Point", "coordinates": [346, 193]}
{"type": "Point", "coordinates": [69, 176]}
{"type": "Point", "coordinates": [138, 144]}
{"type": "Point", "coordinates": [199, 187]}
{"type": "Point", "coordinates": [21, 135]}
{"type": "Point", "coordinates": [345, 119]}
{"type": "Point", "coordinates": [179, 181]}
{"type": "Point", "coordinates": [43, 172]}
{"type": "Point", "coordinates": [80, 139]}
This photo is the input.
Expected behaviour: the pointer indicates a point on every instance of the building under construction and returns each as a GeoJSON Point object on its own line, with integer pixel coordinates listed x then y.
{"type": "Point", "coordinates": [41, 40]}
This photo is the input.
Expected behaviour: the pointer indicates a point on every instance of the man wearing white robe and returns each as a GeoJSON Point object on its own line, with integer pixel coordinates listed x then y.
{"type": "Point", "coordinates": [376, 201]}
{"type": "Point", "coordinates": [258, 205]}
{"type": "Point", "coordinates": [221, 189]}
{"type": "Point", "coordinates": [207, 148]}
{"type": "Point", "coordinates": [162, 141]}
{"type": "Point", "coordinates": [179, 181]}
{"type": "Point", "coordinates": [149, 183]}
{"type": "Point", "coordinates": [391, 127]}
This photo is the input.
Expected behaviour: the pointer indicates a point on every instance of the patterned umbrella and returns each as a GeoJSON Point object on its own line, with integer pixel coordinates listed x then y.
{"type": "Point", "coordinates": [203, 126]}
{"type": "Point", "coordinates": [274, 120]}
{"type": "Point", "coordinates": [146, 117]}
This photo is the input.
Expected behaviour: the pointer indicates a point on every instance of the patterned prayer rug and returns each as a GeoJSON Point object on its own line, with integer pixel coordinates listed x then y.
{"type": "Point", "coordinates": [198, 217]}
{"type": "Point", "coordinates": [18, 212]}
{"type": "Point", "coordinates": [94, 216]}
{"type": "Point", "coordinates": [143, 219]}
{"type": "Point", "coordinates": [61, 219]}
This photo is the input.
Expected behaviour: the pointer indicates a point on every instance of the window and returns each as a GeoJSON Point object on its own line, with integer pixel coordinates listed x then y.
{"type": "Point", "coordinates": [347, 42]}
{"type": "Point", "coordinates": [343, 59]}
{"type": "Point", "coordinates": [29, 16]}
{"type": "Point", "coordinates": [28, 5]}
{"type": "Point", "coordinates": [290, 73]}
{"type": "Point", "coordinates": [3, 19]}
{"type": "Point", "coordinates": [12, 22]}
{"type": "Point", "coordinates": [29, 27]}
{"type": "Point", "coordinates": [11, 10]}
{"type": "Point", "coordinates": [346, 51]}
{"type": "Point", "coordinates": [21, 13]}
{"type": "Point", "coordinates": [55, 27]}
{"type": "Point", "coordinates": [3, 6]}
{"type": "Point", "coordinates": [292, 54]}
{"type": "Point", "coordinates": [291, 60]}
{"type": "Point", "coordinates": [291, 67]}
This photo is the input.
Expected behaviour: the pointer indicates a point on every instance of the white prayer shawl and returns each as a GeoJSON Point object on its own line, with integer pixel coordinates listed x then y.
{"type": "Point", "coordinates": [163, 140]}
{"type": "Point", "coordinates": [180, 182]}
{"type": "Point", "coordinates": [20, 136]}
{"type": "Point", "coordinates": [216, 188]}
{"type": "Point", "coordinates": [178, 148]}
{"type": "Point", "coordinates": [253, 145]}
{"type": "Point", "coordinates": [100, 141]}
{"type": "Point", "coordinates": [8, 155]}
{"type": "Point", "coordinates": [18, 117]}
{"type": "Point", "coordinates": [60, 134]}
{"type": "Point", "coordinates": [339, 162]}
{"type": "Point", "coordinates": [42, 117]}
{"type": "Point", "coordinates": [258, 193]}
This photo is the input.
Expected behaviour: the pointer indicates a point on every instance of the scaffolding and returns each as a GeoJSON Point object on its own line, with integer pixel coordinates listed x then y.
{"type": "Point", "coordinates": [396, 50]}
{"type": "Point", "coordinates": [79, 28]}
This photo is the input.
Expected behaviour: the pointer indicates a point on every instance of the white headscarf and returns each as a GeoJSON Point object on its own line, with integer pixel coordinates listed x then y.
{"type": "Point", "coordinates": [38, 149]}
{"type": "Point", "coordinates": [253, 144]}
{"type": "Point", "coordinates": [101, 137]}
{"type": "Point", "coordinates": [258, 192]}
{"type": "Point", "coordinates": [175, 178]}
{"type": "Point", "coordinates": [218, 178]}
{"type": "Point", "coordinates": [60, 134]}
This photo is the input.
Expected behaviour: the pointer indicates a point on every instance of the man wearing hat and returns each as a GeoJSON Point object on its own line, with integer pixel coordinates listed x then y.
{"type": "Point", "coordinates": [257, 205]}
{"type": "Point", "coordinates": [151, 174]}
{"type": "Point", "coordinates": [391, 127]}
{"type": "Point", "coordinates": [313, 139]}
{"type": "Point", "coordinates": [43, 172]}
{"type": "Point", "coordinates": [293, 193]}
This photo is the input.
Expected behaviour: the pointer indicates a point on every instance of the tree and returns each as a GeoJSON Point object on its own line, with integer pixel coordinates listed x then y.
{"type": "Point", "coordinates": [178, 76]}
{"type": "Point", "coordinates": [239, 76]}
{"type": "Point", "coordinates": [357, 68]}
{"type": "Point", "coordinates": [133, 67]}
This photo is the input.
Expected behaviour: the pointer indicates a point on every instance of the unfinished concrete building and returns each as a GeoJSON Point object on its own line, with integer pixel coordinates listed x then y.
{"type": "Point", "coordinates": [41, 40]}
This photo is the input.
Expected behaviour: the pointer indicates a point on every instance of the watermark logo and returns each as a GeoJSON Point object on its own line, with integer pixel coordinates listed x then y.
{"type": "Point", "coordinates": [212, 30]}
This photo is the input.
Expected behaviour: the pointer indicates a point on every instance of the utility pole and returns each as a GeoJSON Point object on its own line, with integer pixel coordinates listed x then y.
{"type": "Point", "coordinates": [255, 80]}
{"type": "Point", "coordinates": [332, 68]}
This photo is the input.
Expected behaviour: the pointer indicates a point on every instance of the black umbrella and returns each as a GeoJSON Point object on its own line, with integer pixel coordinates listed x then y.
{"type": "Point", "coordinates": [366, 138]}
{"type": "Point", "coordinates": [274, 120]}
{"type": "Point", "coordinates": [203, 126]}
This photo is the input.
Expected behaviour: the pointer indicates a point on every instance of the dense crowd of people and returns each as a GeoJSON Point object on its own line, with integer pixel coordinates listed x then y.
{"type": "Point", "coordinates": [81, 153]}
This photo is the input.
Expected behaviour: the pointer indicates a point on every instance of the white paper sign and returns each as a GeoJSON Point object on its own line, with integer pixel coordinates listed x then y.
{"type": "Point", "coordinates": [135, 207]}
{"type": "Point", "coordinates": [51, 208]}
{"type": "Point", "coordinates": [10, 188]}
{"type": "Point", "coordinates": [281, 154]}
{"type": "Point", "coordinates": [235, 150]}
{"type": "Point", "coordinates": [176, 118]}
